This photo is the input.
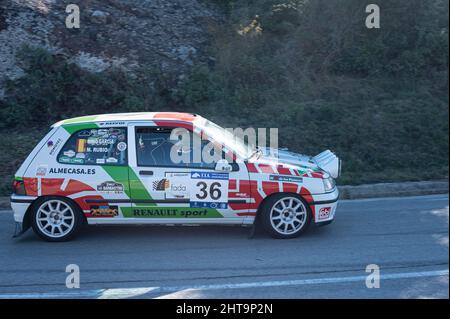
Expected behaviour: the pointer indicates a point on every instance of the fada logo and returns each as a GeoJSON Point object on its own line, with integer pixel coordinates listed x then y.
{"type": "Point", "coordinates": [161, 185]}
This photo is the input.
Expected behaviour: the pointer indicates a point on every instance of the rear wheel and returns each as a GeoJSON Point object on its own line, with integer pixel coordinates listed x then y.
{"type": "Point", "coordinates": [285, 216]}
{"type": "Point", "coordinates": [56, 219]}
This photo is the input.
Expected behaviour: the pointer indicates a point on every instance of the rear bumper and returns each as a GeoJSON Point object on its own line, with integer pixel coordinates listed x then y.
{"type": "Point", "coordinates": [20, 205]}
{"type": "Point", "coordinates": [324, 207]}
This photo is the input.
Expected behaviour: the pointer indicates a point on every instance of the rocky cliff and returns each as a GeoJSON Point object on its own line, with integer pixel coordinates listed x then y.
{"type": "Point", "coordinates": [168, 35]}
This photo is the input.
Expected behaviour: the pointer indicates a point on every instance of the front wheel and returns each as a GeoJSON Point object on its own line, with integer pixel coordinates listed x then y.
{"type": "Point", "coordinates": [285, 216]}
{"type": "Point", "coordinates": [56, 219]}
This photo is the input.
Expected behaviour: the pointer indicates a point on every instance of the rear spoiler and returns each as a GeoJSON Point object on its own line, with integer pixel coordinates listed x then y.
{"type": "Point", "coordinates": [329, 162]}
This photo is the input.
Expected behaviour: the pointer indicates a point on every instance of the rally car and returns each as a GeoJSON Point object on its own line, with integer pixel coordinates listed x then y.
{"type": "Point", "coordinates": [118, 169]}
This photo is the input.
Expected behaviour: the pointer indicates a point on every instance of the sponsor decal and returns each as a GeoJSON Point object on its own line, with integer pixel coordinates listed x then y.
{"type": "Point", "coordinates": [110, 186]}
{"type": "Point", "coordinates": [122, 146]}
{"type": "Point", "coordinates": [80, 155]}
{"type": "Point", "coordinates": [100, 161]}
{"type": "Point", "coordinates": [280, 178]}
{"type": "Point", "coordinates": [111, 123]}
{"type": "Point", "coordinates": [85, 133]}
{"type": "Point", "coordinates": [41, 170]}
{"type": "Point", "coordinates": [111, 160]}
{"type": "Point", "coordinates": [209, 205]}
{"type": "Point", "coordinates": [69, 153]}
{"type": "Point", "coordinates": [115, 131]}
{"type": "Point", "coordinates": [209, 189]}
{"type": "Point", "coordinates": [96, 149]}
{"type": "Point", "coordinates": [75, 171]}
{"type": "Point", "coordinates": [100, 141]}
{"type": "Point", "coordinates": [55, 146]}
{"type": "Point", "coordinates": [175, 185]}
{"type": "Point", "coordinates": [177, 191]}
{"type": "Point", "coordinates": [80, 145]}
{"type": "Point", "coordinates": [69, 160]}
{"type": "Point", "coordinates": [102, 132]}
{"type": "Point", "coordinates": [161, 185]}
{"type": "Point", "coordinates": [209, 175]}
{"type": "Point", "coordinates": [324, 213]}
{"type": "Point", "coordinates": [242, 195]}
{"type": "Point", "coordinates": [177, 174]}
{"type": "Point", "coordinates": [104, 211]}
{"type": "Point", "coordinates": [169, 212]}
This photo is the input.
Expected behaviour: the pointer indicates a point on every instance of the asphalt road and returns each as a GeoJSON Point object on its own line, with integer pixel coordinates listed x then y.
{"type": "Point", "coordinates": [406, 237]}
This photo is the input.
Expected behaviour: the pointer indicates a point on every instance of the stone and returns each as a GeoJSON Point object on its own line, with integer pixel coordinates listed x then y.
{"type": "Point", "coordinates": [99, 17]}
{"type": "Point", "coordinates": [170, 35]}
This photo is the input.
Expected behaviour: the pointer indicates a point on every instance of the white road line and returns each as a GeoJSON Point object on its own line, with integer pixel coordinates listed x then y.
{"type": "Point", "coordinates": [315, 281]}
{"type": "Point", "coordinates": [120, 293]}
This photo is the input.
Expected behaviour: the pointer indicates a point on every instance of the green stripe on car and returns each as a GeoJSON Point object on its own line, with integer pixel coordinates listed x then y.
{"type": "Point", "coordinates": [126, 176]}
{"type": "Point", "coordinates": [72, 128]}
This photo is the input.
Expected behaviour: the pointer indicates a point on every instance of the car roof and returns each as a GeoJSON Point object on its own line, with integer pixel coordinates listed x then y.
{"type": "Point", "coordinates": [139, 116]}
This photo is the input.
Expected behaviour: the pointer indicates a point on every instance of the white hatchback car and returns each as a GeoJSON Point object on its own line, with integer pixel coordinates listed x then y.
{"type": "Point", "coordinates": [117, 169]}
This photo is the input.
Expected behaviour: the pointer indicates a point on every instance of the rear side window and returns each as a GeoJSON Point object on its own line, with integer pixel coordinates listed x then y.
{"type": "Point", "coordinates": [103, 146]}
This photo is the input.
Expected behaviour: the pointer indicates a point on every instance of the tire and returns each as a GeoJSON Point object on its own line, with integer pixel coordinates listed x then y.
{"type": "Point", "coordinates": [285, 221]}
{"type": "Point", "coordinates": [56, 219]}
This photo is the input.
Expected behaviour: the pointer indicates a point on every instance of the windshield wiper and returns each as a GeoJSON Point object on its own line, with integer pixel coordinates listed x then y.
{"type": "Point", "coordinates": [258, 152]}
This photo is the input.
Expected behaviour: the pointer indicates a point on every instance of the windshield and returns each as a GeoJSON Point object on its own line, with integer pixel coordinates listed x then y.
{"type": "Point", "coordinates": [242, 148]}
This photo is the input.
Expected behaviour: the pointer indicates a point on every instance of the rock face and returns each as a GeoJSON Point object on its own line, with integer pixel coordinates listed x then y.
{"type": "Point", "coordinates": [170, 35]}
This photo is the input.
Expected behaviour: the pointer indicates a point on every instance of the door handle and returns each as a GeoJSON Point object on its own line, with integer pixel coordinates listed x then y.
{"type": "Point", "coordinates": [147, 173]}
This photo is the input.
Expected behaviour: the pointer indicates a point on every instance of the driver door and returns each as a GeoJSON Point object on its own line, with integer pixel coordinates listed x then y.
{"type": "Point", "coordinates": [166, 192]}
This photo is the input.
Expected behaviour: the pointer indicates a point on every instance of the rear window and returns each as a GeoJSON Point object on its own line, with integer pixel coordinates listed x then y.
{"type": "Point", "coordinates": [103, 146]}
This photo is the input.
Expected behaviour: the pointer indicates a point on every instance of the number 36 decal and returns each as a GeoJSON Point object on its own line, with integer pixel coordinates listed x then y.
{"type": "Point", "coordinates": [209, 188]}
{"type": "Point", "coordinates": [214, 190]}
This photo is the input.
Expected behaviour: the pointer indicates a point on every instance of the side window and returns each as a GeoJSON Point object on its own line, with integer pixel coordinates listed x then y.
{"type": "Point", "coordinates": [106, 146]}
{"type": "Point", "coordinates": [153, 147]}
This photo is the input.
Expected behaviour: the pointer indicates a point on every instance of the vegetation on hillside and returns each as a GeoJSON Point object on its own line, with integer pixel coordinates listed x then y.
{"type": "Point", "coordinates": [378, 97]}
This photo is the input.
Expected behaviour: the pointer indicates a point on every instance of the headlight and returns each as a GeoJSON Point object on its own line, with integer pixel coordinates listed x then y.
{"type": "Point", "coordinates": [329, 184]}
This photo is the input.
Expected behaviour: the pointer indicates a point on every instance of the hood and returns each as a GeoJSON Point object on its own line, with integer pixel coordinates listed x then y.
{"type": "Point", "coordinates": [326, 161]}
{"type": "Point", "coordinates": [284, 156]}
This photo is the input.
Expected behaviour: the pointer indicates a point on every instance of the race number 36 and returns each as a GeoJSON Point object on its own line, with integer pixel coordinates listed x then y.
{"type": "Point", "coordinates": [213, 191]}
{"type": "Point", "coordinates": [209, 189]}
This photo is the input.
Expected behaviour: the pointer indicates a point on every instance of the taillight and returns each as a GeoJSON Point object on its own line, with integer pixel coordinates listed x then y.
{"type": "Point", "coordinates": [19, 187]}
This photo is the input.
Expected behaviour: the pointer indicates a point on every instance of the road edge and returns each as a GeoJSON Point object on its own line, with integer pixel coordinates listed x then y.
{"type": "Point", "coordinates": [394, 189]}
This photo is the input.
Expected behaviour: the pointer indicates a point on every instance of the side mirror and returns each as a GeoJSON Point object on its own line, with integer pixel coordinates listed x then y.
{"type": "Point", "coordinates": [223, 165]}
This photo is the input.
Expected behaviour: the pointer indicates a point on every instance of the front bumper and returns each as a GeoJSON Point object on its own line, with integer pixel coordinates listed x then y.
{"type": "Point", "coordinates": [324, 206]}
